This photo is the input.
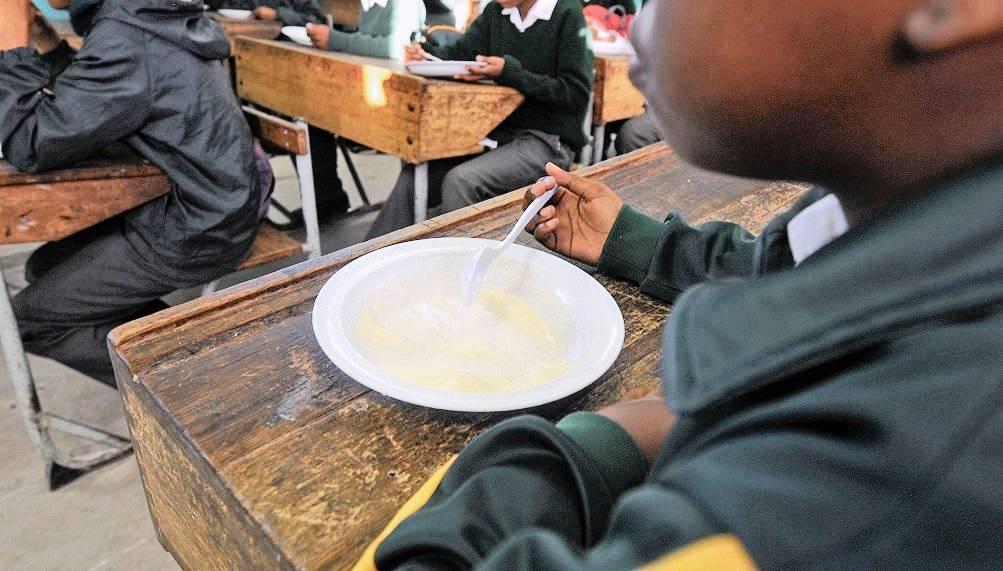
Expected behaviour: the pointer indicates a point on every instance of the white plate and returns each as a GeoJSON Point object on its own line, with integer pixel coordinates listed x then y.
{"type": "Point", "coordinates": [297, 34]}
{"type": "Point", "coordinates": [441, 68]}
{"type": "Point", "coordinates": [576, 305]}
{"type": "Point", "coordinates": [236, 14]}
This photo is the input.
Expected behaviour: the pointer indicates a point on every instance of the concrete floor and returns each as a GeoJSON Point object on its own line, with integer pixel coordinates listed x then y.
{"type": "Point", "coordinates": [100, 520]}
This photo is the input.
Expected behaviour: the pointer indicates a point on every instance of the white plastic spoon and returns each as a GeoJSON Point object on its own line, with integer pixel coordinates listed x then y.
{"type": "Point", "coordinates": [479, 263]}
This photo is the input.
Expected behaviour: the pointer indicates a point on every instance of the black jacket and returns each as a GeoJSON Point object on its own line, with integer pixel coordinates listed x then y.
{"type": "Point", "coordinates": [150, 73]}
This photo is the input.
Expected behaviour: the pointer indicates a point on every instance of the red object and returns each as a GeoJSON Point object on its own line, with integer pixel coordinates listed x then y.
{"type": "Point", "coordinates": [604, 20]}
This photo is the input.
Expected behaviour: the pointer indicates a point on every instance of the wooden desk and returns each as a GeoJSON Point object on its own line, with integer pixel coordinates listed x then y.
{"type": "Point", "coordinates": [50, 206]}
{"type": "Point", "coordinates": [254, 28]}
{"type": "Point", "coordinates": [615, 98]}
{"type": "Point", "coordinates": [14, 23]}
{"type": "Point", "coordinates": [256, 452]}
{"type": "Point", "coordinates": [373, 101]}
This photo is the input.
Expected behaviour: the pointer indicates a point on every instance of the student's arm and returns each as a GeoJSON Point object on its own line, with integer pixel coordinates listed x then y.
{"type": "Point", "coordinates": [101, 97]}
{"type": "Point", "coordinates": [300, 13]}
{"type": "Point", "coordinates": [383, 32]}
{"type": "Point", "coordinates": [576, 67]}
{"type": "Point", "coordinates": [531, 495]}
{"type": "Point", "coordinates": [667, 257]}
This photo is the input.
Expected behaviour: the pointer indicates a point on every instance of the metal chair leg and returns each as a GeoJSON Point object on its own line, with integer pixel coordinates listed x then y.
{"type": "Point", "coordinates": [308, 197]}
{"type": "Point", "coordinates": [58, 462]}
{"type": "Point", "coordinates": [351, 169]}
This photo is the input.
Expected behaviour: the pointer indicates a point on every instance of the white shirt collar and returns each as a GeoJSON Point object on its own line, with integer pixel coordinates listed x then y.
{"type": "Point", "coordinates": [816, 226]}
{"type": "Point", "coordinates": [541, 10]}
{"type": "Point", "coordinates": [367, 4]}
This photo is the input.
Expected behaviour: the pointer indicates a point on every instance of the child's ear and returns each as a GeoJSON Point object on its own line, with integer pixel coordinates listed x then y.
{"type": "Point", "coordinates": [941, 25]}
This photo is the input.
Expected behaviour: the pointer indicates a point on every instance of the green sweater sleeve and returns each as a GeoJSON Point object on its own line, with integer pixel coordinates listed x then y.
{"type": "Point", "coordinates": [383, 31]}
{"type": "Point", "coordinates": [570, 88]}
{"type": "Point", "coordinates": [665, 258]}
{"type": "Point", "coordinates": [529, 495]}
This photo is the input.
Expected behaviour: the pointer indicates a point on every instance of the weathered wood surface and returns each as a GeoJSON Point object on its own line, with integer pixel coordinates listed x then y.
{"type": "Point", "coordinates": [372, 101]}
{"type": "Point", "coordinates": [262, 29]}
{"type": "Point", "coordinates": [616, 97]}
{"type": "Point", "coordinates": [278, 131]}
{"type": "Point", "coordinates": [270, 245]}
{"type": "Point", "coordinates": [257, 452]}
{"type": "Point", "coordinates": [14, 22]}
{"type": "Point", "coordinates": [52, 205]}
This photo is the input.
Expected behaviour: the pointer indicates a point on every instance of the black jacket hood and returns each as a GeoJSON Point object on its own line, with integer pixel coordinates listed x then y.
{"type": "Point", "coordinates": [181, 22]}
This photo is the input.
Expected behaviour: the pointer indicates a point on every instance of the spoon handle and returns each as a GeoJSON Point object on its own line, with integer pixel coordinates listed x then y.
{"type": "Point", "coordinates": [532, 210]}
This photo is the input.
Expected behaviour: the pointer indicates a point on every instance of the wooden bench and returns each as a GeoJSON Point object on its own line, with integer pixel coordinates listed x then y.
{"type": "Point", "coordinates": [270, 245]}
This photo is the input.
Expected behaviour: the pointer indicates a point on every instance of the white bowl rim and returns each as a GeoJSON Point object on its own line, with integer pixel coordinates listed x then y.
{"type": "Point", "coordinates": [330, 340]}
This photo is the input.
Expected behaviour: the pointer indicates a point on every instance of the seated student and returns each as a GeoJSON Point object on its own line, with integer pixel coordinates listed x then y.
{"type": "Point", "coordinates": [289, 12]}
{"type": "Point", "coordinates": [635, 133]}
{"type": "Point", "coordinates": [832, 400]}
{"type": "Point", "coordinates": [150, 73]}
{"type": "Point", "coordinates": [539, 47]}
{"type": "Point", "coordinates": [385, 27]}
{"type": "Point", "coordinates": [331, 197]}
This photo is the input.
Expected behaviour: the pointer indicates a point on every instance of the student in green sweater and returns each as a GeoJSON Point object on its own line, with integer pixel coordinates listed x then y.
{"type": "Point", "coordinates": [385, 28]}
{"type": "Point", "coordinates": [538, 47]}
{"type": "Point", "coordinates": [833, 388]}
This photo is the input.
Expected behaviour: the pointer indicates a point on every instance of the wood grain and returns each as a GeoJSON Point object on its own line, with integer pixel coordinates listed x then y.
{"type": "Point", "coordinates": [279, 132]}
{"type": "Point", "coordinates": [616, 97]}
{"type": "Point", "coordinates": [280, 445]}
{"type": "Point", "coordinates": [372, 101]}
{"type": "Point", "coordinates": [269, 246]}
{"type": "Point", "coordinates": [52, 205]}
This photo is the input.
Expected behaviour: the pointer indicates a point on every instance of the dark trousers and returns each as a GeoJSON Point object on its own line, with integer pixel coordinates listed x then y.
{"type": "Point", "coordinates": [462, 181]}
{"type": "Point", "coordinates": [331, 197]}
{"type": "Point", "coordinates": [83, 286]}
{"type": "Point", "coordinates": [637, 132]}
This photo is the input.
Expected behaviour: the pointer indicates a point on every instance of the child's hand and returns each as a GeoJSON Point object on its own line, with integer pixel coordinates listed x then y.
{"type": "Point", "coordinates": [414, 52]}
{"type": "Point", "coordinates": [647, 420]}
{"type": "Point", "coordinates": [265, 13]}
{"type": "Point", "coordinates": [319, 34]}
{"type": "Point", "coordinates": [578, 218]}
{"type": "Point", "coordinates": [43, 36]}
{"type": "Point", "coordinates": [492, 70]}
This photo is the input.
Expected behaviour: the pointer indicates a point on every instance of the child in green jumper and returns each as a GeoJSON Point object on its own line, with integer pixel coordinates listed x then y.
{"type": "Point", "coordinates": [539, 47]}
{"type": "Point", "coordinates": [385, 27]}
{"type": "Point", "coordinates": [833, 395]}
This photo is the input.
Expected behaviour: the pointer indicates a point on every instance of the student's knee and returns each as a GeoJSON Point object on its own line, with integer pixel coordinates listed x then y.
{"type": "Point", "coordinates": [461, 187]}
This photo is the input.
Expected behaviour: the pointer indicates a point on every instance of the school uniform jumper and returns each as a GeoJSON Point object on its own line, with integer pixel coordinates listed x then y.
{"type": "Point", "coordinates": [846, 413]}
{"type": "Point", "coordinates": [547, 59]}
{"type": "Point", "coordinates": [150, 73]}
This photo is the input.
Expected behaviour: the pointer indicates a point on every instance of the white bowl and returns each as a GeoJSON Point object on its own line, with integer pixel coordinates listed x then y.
{"type": "Point", "coordinates": [584, 325]}
{"type": "Point", "coordinates": [236, 14]}
{"type": "Point", "coordinates": [441, 68]}
{"type": "Point", "coordinates": [297, 34]}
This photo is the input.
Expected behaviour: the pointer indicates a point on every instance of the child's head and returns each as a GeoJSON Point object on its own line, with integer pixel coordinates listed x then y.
{"type": "Point", "coordinates": [855, 94]}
